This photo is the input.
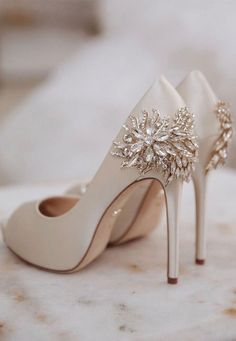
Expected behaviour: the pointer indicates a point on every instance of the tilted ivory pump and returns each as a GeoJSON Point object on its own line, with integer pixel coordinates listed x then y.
{"type": "Point", "coordinates": [214, 131]}
{"type": "Point", "coordinates": [150, 147]}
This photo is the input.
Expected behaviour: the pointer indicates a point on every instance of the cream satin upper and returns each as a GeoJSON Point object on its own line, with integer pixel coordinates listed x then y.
{"type": "Point", "coordinates": [200, 98]}
{"type": "Point", "coordinates": [60, 243]}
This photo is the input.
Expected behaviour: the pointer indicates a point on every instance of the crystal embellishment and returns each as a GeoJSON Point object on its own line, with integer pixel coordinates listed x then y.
{"type": "Point", "coordinates": [151, 142]}
{"type": "Point", "coordinates": [219, 153]}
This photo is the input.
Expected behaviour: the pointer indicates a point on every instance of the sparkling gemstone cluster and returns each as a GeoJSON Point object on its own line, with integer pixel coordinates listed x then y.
{"type": "Point", "coordinates": [219, 153]}
{"type": "Point", "coordinates": [153, 142]}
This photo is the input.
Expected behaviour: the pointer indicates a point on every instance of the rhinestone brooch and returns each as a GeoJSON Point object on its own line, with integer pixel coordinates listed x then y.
{"type": "Point", "coordinates": [167, 145]}
{"type": "Point", "coordinates": [219, 153]}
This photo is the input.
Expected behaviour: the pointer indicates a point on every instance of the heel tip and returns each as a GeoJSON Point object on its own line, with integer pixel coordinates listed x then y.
{"type": "Point", "coordinates": [172, 280]}
{"type": "Point", "coordinates": [200, 261]}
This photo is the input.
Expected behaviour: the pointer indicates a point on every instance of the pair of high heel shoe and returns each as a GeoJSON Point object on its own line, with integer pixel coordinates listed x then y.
{"type": "Point", "coordinates": [160, 145]}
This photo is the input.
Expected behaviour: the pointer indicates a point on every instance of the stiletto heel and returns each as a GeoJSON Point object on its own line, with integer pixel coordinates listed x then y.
{"type": "Point", "coordinates": [200, 187]}
{"type": "Point", "coordinates": [66, 234]}
{"type": "Point", "coordinates": [173, 198]}
{"type": "Point", "coordinates": [214, 130]}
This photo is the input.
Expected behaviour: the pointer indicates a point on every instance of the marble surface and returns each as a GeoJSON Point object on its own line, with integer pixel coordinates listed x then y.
{"type": "Point", "coordinates": [123, 295]}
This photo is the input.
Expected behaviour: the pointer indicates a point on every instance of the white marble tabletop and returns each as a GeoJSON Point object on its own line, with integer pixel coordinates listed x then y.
{"type": "Point", "coordinates": [123, 295]}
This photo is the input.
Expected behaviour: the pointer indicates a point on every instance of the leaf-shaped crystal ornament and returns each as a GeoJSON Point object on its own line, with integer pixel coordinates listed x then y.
{"type": "Point", "coordinates": [219, 152]}
{"type": "Point", "coordinates": [152, 142]}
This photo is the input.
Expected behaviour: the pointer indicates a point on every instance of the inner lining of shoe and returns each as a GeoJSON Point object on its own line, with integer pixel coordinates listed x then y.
{"type": "Point", "coordinates": [132, 199]}
{"type": "Point", "coordinates": [55, 207]}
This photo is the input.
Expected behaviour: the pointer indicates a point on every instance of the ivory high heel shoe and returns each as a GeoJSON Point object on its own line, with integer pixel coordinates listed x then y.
{"type": "Point", "coordinates": [149, 148]}
{"type": "Point", "coordinates": [214, 130]}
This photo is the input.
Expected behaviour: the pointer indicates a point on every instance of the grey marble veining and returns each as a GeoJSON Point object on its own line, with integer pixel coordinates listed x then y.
{"type": "Point", "coordinates": [123, 295]}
